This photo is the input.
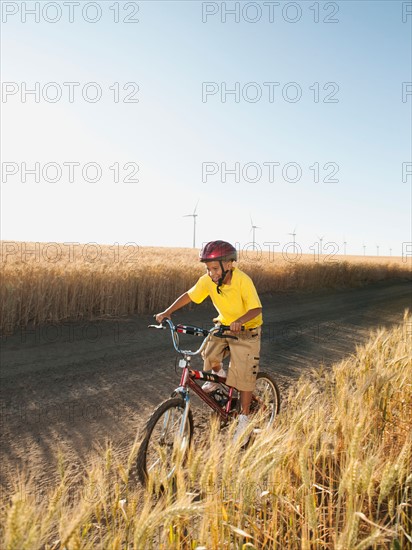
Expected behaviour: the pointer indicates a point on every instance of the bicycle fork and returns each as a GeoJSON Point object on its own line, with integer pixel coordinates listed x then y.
{"type": "Point", "coordinates": [182, 391]}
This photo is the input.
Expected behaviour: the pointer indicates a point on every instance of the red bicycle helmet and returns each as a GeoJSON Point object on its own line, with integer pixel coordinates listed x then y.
{"type": "Point", "coordinates": [218, 250]}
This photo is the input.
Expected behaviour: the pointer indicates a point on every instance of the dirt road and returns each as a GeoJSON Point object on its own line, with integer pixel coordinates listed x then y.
{"type": "Point", "coordinates": [75, 385]}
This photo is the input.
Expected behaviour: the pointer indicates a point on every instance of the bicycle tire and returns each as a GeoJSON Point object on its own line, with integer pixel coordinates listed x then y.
{"type": "Point", "coordinates": [156, 452]}
{"type": "Point", "coordinates": [265, 396]}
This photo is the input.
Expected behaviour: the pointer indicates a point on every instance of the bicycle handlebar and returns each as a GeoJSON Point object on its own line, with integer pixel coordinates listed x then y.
{"type": "Point", "coordinates": [196, 331]}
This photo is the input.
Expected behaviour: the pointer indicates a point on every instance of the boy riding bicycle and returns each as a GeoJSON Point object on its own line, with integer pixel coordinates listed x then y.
{"type": "Point", "coordinates": [234, 296]}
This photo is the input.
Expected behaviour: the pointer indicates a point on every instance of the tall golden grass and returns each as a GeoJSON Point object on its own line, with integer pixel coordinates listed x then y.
{"type": "Point", "coordinates": [54, 282]}
{"type": "Point", "coordinates": [335, 472]}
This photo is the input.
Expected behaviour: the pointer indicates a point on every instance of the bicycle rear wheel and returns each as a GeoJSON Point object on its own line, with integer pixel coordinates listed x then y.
{"type": "Point", "coordinates": [266, 400]}
{"type": "Point", "coordinates": [166, 440]}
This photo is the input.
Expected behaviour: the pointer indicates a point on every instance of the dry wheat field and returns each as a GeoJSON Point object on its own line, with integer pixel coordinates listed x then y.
{"type": "Point", "coordinates": [333, 473]}
{"type": "Point", "coordinates": [52, 282]}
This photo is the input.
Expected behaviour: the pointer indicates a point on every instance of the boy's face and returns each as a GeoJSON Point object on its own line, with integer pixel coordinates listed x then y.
{"type": "Point", "coordinates": [214, 271]}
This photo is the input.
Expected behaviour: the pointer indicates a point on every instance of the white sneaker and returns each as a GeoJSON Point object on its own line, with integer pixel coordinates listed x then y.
{"type": "Point", "coordinates": [208, 387]}
{"type": "Point", "coordinates": [242, 425]}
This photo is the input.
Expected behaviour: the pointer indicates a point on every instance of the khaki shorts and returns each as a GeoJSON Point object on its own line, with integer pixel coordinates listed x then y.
{"type": "Point", "coordinates": [244, 357]}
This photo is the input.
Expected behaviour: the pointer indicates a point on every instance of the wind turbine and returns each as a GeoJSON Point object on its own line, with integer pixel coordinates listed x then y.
{"type": "Point", "coordinates": [194, 216]}
{"type": "Point", "coordinates": [377, 250]}
{"type": "Point", "coordinates": [293, 234]}
{"type": "Point", "coordinates": [344, 247]}
{"type": "Point", "coordinates": [253, 228]}
{"type": "Point", "coordinates": [364, 249]}
{"type": "Point", "coordinates": [390, 252]}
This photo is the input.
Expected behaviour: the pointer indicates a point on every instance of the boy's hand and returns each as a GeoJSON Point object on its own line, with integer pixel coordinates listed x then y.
{"type": "Point", "coordinates": [161, 316]}
{"type": "Point", "coordinates": [235, 326]}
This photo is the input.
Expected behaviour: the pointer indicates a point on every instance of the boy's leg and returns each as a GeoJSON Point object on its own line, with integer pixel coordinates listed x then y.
{"type": "Point", "coordinates": [245, 401]}
{"type": "Point", "coordinates": [244, 365]}
{"type": "Point", "coordinates": [214, 353]}
{"type": "Point", "coordinates": [244, 361]}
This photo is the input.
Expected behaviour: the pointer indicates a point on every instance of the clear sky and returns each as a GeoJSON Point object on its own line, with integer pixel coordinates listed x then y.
{"type": "Point", "coordinates": [316, 134]}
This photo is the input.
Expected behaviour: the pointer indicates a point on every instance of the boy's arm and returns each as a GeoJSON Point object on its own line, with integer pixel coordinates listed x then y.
{"type": "Point", "coordinates": [236, 326]}
{"type": "Point", "coordinates": [182, 301]}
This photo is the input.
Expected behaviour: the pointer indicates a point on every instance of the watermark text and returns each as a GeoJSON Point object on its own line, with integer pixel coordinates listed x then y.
{"type": "Point", "coordinates": [69, 172]}
{"type": "Point", "coordinates": [70, 92]}
{"type": "Point", "coordinates": [269, 92]}
{"type": "Point", "coordinates": [68, 252]}
{"type": "Point", "coordinates": [269, 172]}
{"type": "Point", "coordinates": [270, 12]}
{"type": "Point", "coordinates": [69, 12]}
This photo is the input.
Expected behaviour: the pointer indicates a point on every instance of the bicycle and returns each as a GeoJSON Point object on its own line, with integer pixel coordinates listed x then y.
{"type": "Point", "coordinates": [168, 432]}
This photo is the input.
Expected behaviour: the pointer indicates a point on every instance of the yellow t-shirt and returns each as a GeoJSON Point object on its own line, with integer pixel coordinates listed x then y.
{"type": "Point", "coordinates": [233, 301]}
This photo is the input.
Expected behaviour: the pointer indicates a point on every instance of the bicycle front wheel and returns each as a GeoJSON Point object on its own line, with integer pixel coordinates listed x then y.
{"type": "Point", "coordinates": [166, 440]}
{"type": "Point", "coordinates": [266, 400]}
